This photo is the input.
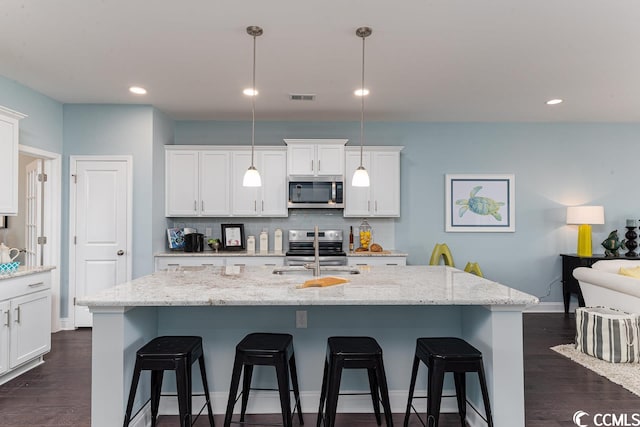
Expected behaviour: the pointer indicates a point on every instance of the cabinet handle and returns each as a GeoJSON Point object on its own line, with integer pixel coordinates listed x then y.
{"type": "Point", "coordinates": [173, 265]}
{"type": "Point", "coordinates": [6, 323]}
{"type": "Point", "coordinates": [35, 285]}
{"type": "Point", "coordinates": [17, 315]}
{"type": "Point", "coordinates": [262, 205]}
{"type": "Point", "coordinates": [368, 205]}
{"type": "Point", "coordinates": [311, 165]}
{"type": "Point", "coordinates": [270, 265]}
{"type": "Point", "coordinates": [206, 265]}
{"type": "Point", "coordinates": [376, 204]}
{"type": "Point", "coordinates": [195, 205]}
{"type": "Point", "coordinates": [361, 264]}
{"type": "Point", "coordinates": [318, 165]}
{"type": "Point", "coordinates": [202, 206]}
{"type": "Point", "coordinates": [255, 205]}
{"type": "Point", "coordinates": [240, 265]}
{"type": "Point", "coordinates": [392, 263]}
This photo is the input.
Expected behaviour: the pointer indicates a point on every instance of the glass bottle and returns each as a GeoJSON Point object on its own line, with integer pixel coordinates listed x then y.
{"type": "Point", "coordinates": [365, 234]}
{"type": "Point", "coordinates": [351, 238]}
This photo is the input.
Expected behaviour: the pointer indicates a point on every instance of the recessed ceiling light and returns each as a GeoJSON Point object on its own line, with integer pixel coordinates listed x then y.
{"type": "Point", "coordinates": [361, 92]}
{"type": "Point", "coordinates": [138, 90]}
{"type": "Point", "coordinates": [554, 101]}
{"type": "Point", "coordinates": [250, 92]}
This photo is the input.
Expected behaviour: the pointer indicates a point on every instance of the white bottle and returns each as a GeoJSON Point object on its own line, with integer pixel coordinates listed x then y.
{"type": "Point", "coordinates": [251, 245]}
{"type": "Point", "coordinates": [264, 242]}
{"type": "Point", "coordinates": [277, 241]}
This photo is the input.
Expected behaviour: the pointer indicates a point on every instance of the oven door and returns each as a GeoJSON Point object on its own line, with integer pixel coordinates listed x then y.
{"type": "Point", "coordinates": [324, 260]}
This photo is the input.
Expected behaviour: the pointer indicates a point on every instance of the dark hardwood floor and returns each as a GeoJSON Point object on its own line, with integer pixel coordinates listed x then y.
{"type": "Point", "coordinates": [58, 392]}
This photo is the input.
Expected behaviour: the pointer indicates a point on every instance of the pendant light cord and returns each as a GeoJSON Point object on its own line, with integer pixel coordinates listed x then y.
{"type": "Point", "coordinates": [253, 102]}
{"type": "Point", "coordinates": [362, 107]}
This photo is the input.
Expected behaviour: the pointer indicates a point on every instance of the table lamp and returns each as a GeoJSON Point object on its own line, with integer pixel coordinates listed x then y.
{"type": "Point", "coordinates": [585, 216]}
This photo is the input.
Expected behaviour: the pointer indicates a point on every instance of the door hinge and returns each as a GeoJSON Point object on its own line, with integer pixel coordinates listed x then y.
{"type": "Point", "coordinates": [42, 240]}
{"type": "Point", "coordinates": [42, 177]}
{"type": "Point", "coordinates": [75, 240]}
{"type": "Point", "coordinates": [75, 178]}
{"type": "Point", "coordinates": [74, 300]}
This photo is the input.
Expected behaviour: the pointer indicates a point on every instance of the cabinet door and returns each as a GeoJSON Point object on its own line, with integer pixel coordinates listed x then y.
{"type": "Point", "coordinates": [330, 159]}
{"type": "Point", "coordinates": [30, 327]}
{"type": "Point", "coordinates": [385, 183]}
{"type": "Point", "coordinates": [8, 165]}
{"type": "Point", "coordinates": [357, 200]}
{"type": "Point", "coordinates": [4, 336]}
{"type": "Point", "coordinates": [214, 183]}
{"type": "Point", "coordinates": [181, 183]}
{"type": "Point", "coordinates": [301, 159]}
{"type": "Point", "coordinates": [273, 171]}
{"type": "Point", "coordinates": [244, 200]}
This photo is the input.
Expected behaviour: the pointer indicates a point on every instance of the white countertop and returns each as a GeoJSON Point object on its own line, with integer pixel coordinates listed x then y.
{"type": "Point", "coordinates": [247, 286]}
{"type": "Point", "coordinates": [25, 271]}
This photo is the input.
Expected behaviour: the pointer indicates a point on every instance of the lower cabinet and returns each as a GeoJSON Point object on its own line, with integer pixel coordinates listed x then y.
{"type": "Point", "coordinates": [175, 261]}
{"type": "Point", "coordinates": [377, 260]}
{"type": "Point", "coordinates": [26, 323]}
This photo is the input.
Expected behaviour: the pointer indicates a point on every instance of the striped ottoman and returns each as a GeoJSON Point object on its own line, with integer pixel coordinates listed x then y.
{"type": "Point", "coordinates": [608, 334]}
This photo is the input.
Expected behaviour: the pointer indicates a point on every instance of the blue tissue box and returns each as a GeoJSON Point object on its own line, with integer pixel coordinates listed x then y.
{"type": "Point", "coordinates": [9, 267]}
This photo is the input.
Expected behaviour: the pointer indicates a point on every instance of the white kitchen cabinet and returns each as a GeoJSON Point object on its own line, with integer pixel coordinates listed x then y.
{"type": "Point", "coordinates": [269, 200]}
{"type": "Point", "coordinates": [9, 133]}
{"type": "Point", "coordinates": [376, 260]}
{"type": "Point", "coordinates": [25, 308]}
{"type": "Point", "coordinates": [382, 197]}
{"type": "Point", "coordinates": [196, 182]}
{"type": "Point", "coordinates": [315, 157]}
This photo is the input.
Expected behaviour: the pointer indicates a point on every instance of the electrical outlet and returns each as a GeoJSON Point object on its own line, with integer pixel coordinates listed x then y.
{"type": "Point", "coordinates": [301, 318]}
{"type": "Point", "coordinates": [207, 231]}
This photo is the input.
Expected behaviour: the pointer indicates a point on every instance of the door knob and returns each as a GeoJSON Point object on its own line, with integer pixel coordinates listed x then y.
{"type": "Point", "coordinates": [120, 252]}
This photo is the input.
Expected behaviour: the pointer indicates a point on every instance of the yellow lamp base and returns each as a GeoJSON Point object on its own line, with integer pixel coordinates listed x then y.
{"type": "Point", "coordinates": [584, 240]}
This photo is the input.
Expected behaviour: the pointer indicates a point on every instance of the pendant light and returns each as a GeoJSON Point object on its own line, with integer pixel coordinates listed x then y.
{"type": "Point", "coordinates": [361, 176]}
{"type": "Point", "coordinates": [252, 176]}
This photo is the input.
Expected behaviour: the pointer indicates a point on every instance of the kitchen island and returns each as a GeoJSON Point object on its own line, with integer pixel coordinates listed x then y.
{"type": "Point", "coordinates": [395, 305]}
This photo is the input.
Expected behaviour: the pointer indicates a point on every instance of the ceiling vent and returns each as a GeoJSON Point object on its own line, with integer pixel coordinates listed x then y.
{"type": "Point", "coordinates": [302, 96]}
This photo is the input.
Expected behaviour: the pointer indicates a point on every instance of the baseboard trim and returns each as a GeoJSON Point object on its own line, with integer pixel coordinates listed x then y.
{"type": "Point", "coordinates": [66, 324]}
{"type": "Point", "coordinates": [549, 307]}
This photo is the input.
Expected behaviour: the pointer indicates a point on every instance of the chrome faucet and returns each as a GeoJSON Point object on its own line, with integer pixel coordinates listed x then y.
{"type": "Point", "coordinates": [316, 254]}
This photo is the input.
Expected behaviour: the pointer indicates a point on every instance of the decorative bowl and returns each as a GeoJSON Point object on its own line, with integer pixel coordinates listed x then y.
{"type": "Point", "coordinates": [215, 246]}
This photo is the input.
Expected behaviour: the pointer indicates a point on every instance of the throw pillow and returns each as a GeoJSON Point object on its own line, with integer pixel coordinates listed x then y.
{"type": "Point", "coordinates": [631, 272]}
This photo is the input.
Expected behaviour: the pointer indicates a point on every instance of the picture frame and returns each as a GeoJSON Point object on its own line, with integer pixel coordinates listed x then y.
{"type": "Point", "coordinates": [480, 203]}
{"type": "Point", "coordinates": [175, 238]}
{"type": "Point", "coordinates": [232, 237]}
{"type": "Point", "coordinates": [3, 221]}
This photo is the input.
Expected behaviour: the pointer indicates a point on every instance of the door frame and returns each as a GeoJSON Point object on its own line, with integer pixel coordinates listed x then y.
{"type": "Point", "coordinates": [73, 163]}
{"type": "Point", "coordinates": [52, 212]}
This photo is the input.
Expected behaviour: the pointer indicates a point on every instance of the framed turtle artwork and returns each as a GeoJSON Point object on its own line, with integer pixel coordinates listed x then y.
{"type": "Point", "coordinates": [480, 203]}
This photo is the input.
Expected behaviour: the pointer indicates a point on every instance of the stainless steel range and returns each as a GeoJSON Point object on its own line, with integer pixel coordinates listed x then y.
{"type": "Point", "coordinates": [301, 249]}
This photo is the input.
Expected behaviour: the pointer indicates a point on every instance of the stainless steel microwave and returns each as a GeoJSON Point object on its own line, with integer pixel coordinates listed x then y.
{"type": "Point", "coordinates": [318, 193]}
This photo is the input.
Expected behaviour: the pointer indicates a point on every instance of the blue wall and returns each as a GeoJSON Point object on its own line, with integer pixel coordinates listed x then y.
{"type": "Point", "coordinates": [555, 165]}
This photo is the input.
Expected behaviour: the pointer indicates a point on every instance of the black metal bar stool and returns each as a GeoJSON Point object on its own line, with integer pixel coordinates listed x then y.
{"type": "Point", "coordinates": [353, 353]}
{"type": "Point", "coordinates": [175, 353]}
{"type": "Point", "coordinates": [447, 355]}
{"type": "Point", "coordinates": [270, 350]}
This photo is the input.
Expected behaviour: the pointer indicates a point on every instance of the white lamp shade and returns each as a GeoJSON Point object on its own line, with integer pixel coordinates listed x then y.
{"type": "Point", "coordinates": [585, 215]}
{"type": "Point", "coordinates": [252, 178]}
{"type": "Point", "coordinates": [360, 177]}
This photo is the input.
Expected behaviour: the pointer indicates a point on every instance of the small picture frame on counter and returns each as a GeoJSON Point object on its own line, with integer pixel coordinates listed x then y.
{"type": "Point", "coordinates": [232, 237]}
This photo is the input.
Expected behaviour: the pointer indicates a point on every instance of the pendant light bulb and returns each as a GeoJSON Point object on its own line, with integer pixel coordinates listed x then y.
{"type": "Point", "coordinates": [361, 176]}
{"type": "Point", "coordinates": [252, 176]}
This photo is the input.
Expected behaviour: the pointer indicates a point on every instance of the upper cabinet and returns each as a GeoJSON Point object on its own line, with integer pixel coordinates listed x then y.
{"type": "Point", "coordinates": [271, 198]}
{"type": "Point", "coordinates": [197, 182]}
{"type": "Point", "coordinates": [382, 197]}
{"type": "Point", "coordinates": [315, 157]}
{"type": "Point", "coordinates": [9, 132]}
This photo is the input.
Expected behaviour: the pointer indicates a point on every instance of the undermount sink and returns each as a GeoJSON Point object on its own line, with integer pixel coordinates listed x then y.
{"type": "Point", "coordinates": [323, 269]}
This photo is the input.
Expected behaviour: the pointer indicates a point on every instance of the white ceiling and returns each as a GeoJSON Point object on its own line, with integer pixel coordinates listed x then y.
{"type": "Point", "coordinates": [427, 60]}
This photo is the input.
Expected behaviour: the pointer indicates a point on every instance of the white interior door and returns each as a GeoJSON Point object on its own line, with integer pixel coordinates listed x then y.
{"type": "Point", "coordinates": [102, 212]}
{"type": "Point", "coordinates": [33, 214]}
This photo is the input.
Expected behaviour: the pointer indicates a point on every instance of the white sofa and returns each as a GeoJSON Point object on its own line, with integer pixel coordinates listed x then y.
{"type": "Point", "coordinates": [601, 285]}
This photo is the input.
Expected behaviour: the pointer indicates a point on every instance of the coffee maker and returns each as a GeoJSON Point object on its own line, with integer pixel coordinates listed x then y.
{"type": "Point", "coordinates": [194, 242]}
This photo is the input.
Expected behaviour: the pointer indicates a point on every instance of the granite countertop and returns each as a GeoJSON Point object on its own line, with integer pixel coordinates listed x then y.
{"type": "Point", "coordinates": [219, 253]}
{"type": "Point", "coordinates": [247, 286]}
{"type": "Point", "coordinates": [25, 271]}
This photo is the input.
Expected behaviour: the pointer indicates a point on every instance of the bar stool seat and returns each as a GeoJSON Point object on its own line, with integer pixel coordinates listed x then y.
{"type": "Point", "coordinates": [353, 353]}
{"type": "Point", "coordinates": [442, 355]}
{"type": "Point", "coordinates": [271, 350]}
{"type": "Point", "coordinates": [175, 353]}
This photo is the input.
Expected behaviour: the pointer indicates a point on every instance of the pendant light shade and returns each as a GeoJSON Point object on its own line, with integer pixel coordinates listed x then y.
{"type": "Point", "coordinates": [361, 176]}
{"type": "Point", "coordinates": [252, 176]}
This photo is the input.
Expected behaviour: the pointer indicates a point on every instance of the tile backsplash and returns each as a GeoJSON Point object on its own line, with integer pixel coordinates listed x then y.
{"type": "Point", "coordinates": [383, 228]}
